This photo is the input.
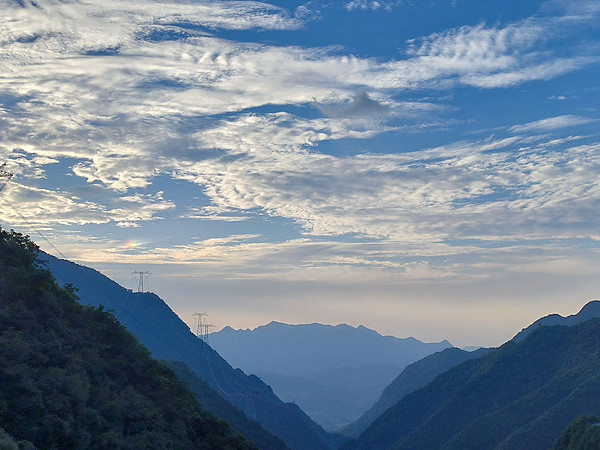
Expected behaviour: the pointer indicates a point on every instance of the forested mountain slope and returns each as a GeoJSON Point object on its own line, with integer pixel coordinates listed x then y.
{"type": "Point", "coordinates": [413, 377]}
{"type": "Point", "coordinates": [589, 311]}
{"type": "Point", "coordinates": [519, 396]}
{"type": "Point", "coordinates": [582, 434]}
{"type": "Point", "coordinates": [150, 319]}
{"type": "Point", "coordinates": [72, 377]}
{"type": "Point", "coordinates": [214, 403]}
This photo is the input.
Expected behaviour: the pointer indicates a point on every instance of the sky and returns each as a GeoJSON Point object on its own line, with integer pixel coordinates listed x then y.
{"type": "Point", "coordinates": [423, 168]}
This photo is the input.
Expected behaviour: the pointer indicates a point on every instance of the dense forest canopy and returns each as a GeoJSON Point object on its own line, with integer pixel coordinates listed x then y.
{"type": "Point", "coordinates": [582, 434]}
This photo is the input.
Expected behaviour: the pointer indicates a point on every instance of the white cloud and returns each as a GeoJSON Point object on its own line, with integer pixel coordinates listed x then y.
{"type": "Point", "coordinates": [35, 207]}
{"type": "Point", "coordinates": [361, 104]}
{"type": "Point", "coordinates": [551, 124]}
{"type": "Point", "coordinates": [540, 71]}
{"type": "Point", "coordinates": [64, 83]}
{"type": "Point", "coordinates": [363, 5]}
{"type": "Point", "coordinates": [475, 189]}
{"type": "Point", "coordinates": [30, 206]}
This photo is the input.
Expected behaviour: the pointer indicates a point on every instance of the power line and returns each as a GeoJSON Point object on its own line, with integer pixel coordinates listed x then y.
{"type": "Point", "coordinates": [202, 332]}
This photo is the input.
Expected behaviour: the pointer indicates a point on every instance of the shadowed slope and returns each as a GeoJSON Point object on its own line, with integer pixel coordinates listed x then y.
{"type": "Point", "coordinates": [169, 338]}
{"type": "Point", "coordinates": [72, 377]}
{"type": "Point", "coordinates": [519, 396]}
{"type": "Point", "coordinates": [413, 377]}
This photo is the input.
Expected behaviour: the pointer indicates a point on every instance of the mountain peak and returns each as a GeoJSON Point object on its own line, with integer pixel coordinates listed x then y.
{"type": "Point", "coordinates": [589, 311]}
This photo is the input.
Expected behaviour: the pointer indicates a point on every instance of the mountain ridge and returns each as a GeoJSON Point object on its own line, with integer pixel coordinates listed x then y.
{"type": "Point", "coordinates": [589, 311]}
{"type": "Point", "coordinates": [518, 396]}
{"type": "Point", "coordinates": [169, 338]}
{"type": "Point", "coordinates": [74, 378]}
{"type": "Point", "coordinates": [298, 349]}
{"type": "Point", "coordinates": [362, 328]}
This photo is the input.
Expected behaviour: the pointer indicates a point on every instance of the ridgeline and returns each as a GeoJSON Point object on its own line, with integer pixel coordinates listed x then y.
{"type": "Point", "coordinates": [72, 377]}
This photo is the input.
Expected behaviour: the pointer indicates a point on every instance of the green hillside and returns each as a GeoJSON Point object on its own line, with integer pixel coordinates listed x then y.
{"type": "Point", "coordinates": [72, 377]}
{"type": "Point", "coordinates": [413, 377]}
{"type": "Point", "coordinates": [519, 396]}
{"type": "Point", "coordinates": [582, 434]}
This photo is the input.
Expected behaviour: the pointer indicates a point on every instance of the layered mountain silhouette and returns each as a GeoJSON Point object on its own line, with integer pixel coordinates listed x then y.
{"type": "Point", "coordinates": [521, 395]}
{"type": "Point", "coordinates": [308, 348]}
{"type": "Point", "coordinates": [72, 377]}
{"type": "Point", "coordinates": [169, 338]}
{"type": "Point", "coordinates": [334, 373]}
{"type": "Point", "coordinates": [518, 396]}
{"type": "Point", "coordinates": [413, 377]}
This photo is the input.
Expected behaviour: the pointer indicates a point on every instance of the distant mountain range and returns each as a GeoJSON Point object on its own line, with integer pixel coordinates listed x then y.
{"type": "Point", "coordinates": [333, 397]}
{"type": "Point", "coordinates": [334, 373]}
{"type": "Point", "coordinates": [518, 396]}
{"type": "Point", "coordinates": [298, 350]}
{"type": "Point", "coordinates": [168, 338]}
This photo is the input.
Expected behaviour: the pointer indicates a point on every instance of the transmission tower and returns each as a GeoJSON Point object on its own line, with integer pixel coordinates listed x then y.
{"type": "Point", "coordinates": [207, 329]}
{"type": "Point", "coordinates": [139, 276]}
{"type": "Point", "coordinates": [201, 328]}
{"type": "Point", "coordinates": [4, 174]}
{"type": "Point", "coordinates": [198, 323]}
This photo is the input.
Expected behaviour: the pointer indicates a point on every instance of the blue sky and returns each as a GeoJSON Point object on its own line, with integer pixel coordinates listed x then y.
{"type": "Point", "coordinates": [422, 168]}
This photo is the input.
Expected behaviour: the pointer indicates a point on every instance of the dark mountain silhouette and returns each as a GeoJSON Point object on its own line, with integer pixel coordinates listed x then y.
{"type": "Point", "coordinates": [168, 338]}
{"type": "Point", "coordinates": [519, 396]}
{"type": "Point", "coordinates": [72, 377]}
{"type": "Point", "coordinates": [413, 377]}
{"type": "Point", "coordinates": [589, 311]}
{"type": "Point", "coordinates": [334, 373]}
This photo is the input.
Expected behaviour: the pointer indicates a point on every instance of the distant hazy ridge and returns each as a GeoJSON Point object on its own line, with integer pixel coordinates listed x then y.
{"type": "Point", "coordinates": [334, 373]}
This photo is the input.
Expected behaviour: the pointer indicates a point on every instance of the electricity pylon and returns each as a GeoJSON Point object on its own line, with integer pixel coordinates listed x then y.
{"type": "Point", "coordinates": [139, 276]}
{"type": "Point", "coordinates": [201, 328]}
